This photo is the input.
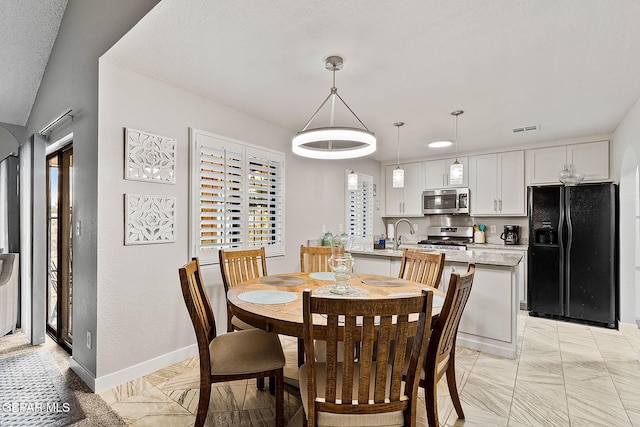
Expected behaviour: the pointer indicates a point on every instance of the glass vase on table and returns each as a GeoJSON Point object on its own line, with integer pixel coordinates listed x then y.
{"type": "Point", "coordinates": [341, 263]}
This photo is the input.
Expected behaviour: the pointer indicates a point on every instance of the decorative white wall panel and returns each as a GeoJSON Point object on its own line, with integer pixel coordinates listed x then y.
{"type": "Point", "coordinates": [149, 219]}
{"type": "Point", "coordinates": [150, 157]}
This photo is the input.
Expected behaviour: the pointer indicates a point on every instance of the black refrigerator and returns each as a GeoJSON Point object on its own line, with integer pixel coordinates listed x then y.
{"type": "Point", "coordinates": [572, 270]}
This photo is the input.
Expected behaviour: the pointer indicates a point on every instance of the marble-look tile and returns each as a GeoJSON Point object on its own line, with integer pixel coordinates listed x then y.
{"type": "Point", "coordinates": [536, 404]}
{"type": "Point", "coordinates": [475, 416]}
{"type": "Point", "coordinates": [540, 371]}
{"type": "Point", "coordinates": [490, 378]}
{"type": "Point", "coordinates": [188, 398]}
{"type": "Point", "coordinates": [227, 398]}
{"type": "Point", "coordinates": [182, 381]}
{"type": "Point", "coordinates": [125, 391]}
{"type": "Point", "coordinates": [258, 399]}
{"type": "Point", "coordinates": [169, 415]}
{"type": "Point", "coordinates": [484, 395]}
{"type": "Point", "coordinates": [167, 373]}
{"type": "Point", "coordinates": [598, 389]}
{"type": "Point", "coordinates": [132, 411]}
{"type": "Point", "coordinates": [592, 411]}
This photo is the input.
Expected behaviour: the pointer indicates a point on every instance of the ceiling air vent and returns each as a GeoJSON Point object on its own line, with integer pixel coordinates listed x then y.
{"type": "Point", "coordinates": [527, 129]}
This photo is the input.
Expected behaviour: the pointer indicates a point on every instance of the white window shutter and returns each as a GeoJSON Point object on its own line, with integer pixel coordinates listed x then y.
{"type": "Point", "coordinates": [236, 197]}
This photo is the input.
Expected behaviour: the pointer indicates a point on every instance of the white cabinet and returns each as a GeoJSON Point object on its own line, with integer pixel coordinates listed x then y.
{"type": "Point", "coordinates": [496, 184]}
{"type": "Point", "coordinates": [405, 201]}
{"type": "Point", "coordinates": [589, 158]}
{"type": "Point", "coordinates": [521, 271]}
{"type": "Point", "coordinates": [437, 173]}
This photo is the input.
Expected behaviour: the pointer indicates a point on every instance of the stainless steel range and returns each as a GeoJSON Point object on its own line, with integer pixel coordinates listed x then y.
{"type": "Point", "coordinates": [449, 232]}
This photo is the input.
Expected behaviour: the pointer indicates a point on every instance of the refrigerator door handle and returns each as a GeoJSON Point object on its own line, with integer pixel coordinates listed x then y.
{"type": "Point", "coordinates": [561, 241]}
{"type": "Point", "coordinates": [567, 254]}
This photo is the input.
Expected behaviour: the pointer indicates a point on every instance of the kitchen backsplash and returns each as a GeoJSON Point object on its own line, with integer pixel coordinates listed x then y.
{"type": "Point", "coordinates": [491, 237]}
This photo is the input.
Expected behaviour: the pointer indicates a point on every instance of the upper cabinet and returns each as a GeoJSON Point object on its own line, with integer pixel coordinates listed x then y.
{"type": "Point", "coordinates": [406, 201]}
{"type": "Point", "coordinates": [437, 173]}
{"type": "Point", "coordinates": [589, 158]}
{"type": "Point", "coordinates": [496, 183]}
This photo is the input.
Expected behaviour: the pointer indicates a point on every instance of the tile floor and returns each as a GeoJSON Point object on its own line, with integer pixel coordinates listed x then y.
{"type": "Point", "coordinates": [565, 375]}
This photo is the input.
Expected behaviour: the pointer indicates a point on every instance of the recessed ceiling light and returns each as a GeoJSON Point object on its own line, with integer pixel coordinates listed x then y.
{"type": "Point", "coordinates": [439, 144]}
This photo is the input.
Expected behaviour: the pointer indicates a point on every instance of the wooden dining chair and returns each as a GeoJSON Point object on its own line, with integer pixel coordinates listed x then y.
{"type": "Point", "coordinates": [440, 357]}
{"type": "Point", "coordinates": [252, 353]}
{"type": "Point", "coordinates": [423, 267]}
{"type": "Point", "coordinates": [368, 391]}
{"type": "Point", "coordinates": [314, 258]}
{"type": "Point", "coordinates": [237, 266]}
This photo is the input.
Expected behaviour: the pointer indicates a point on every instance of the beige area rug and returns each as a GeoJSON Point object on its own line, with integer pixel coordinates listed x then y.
{"type": "Point", "coordinates": [13, 347]}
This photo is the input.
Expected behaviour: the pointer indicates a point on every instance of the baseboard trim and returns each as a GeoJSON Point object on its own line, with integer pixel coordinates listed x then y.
{"type": "Point", "coordinates": [85, 375]}
{"type": "Point", "coordinates": [131, 373]}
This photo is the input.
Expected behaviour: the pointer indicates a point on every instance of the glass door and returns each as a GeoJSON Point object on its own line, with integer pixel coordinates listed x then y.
{"type": "Point", "coordinates": [59, 246]}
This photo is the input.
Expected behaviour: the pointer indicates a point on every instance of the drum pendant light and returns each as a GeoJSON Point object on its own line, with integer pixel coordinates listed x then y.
{"type": "Point", "coordinates": [333, 142]}
{"type": "Point", "coordinates": [456, 170]}
{"type": "Point", "coordinates": [398, 173]}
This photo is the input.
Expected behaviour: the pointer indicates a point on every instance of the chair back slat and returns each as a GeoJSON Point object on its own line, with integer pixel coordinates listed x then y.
{"type": "Point", "coordinates": [423, 267]}
{"type": "Point", "coordinates": [375, 378]}
{"type": "Point", "coordinates": [314, 258]}
{"type": "Point", "coordinates": [240, 266]}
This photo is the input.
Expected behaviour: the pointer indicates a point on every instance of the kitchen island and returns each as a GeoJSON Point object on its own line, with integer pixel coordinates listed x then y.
{"type": "Point", "coordinates": [489, 322]}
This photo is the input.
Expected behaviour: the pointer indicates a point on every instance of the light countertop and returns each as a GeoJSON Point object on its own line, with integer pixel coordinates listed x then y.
{"type": "Point", "coordinates": [506, 259]}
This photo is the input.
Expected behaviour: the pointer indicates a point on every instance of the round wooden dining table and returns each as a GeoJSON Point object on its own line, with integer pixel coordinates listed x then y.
{"type": "Point", "coordinates": [274, 303]}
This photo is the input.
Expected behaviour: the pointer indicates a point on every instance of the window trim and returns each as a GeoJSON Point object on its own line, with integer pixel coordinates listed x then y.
{"type": "Point", "coordinates": [248, 150]}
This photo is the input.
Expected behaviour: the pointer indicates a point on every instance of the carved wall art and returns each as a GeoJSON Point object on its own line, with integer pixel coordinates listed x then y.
{"type": "Point", "coordinates": [149, 219]}
{"type": "Point", "coordinates": [150, 157]}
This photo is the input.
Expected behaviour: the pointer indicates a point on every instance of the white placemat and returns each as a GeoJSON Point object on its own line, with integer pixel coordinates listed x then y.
{"type": "Point", "coordinates": [267, 297]}
{"type": "Point", "coordinates": [282, 280]}
{"type": "Point", "coordinates": [322, 275]}
{"type": "Point", "coordinates": [372, 281]}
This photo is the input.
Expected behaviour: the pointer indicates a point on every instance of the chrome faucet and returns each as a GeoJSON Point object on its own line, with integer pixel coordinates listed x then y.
{"type": "Point", "coordinates": [396, 238]}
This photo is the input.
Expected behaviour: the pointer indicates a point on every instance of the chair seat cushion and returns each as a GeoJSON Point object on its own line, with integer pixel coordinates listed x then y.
{"type": "Point", "coordinates": [243, 352]}
{"type": "Point", "coordinates": [330, 419]}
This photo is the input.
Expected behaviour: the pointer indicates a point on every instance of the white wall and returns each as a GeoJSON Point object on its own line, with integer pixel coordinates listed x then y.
{"type": "Point", "coordinates": [87, 30]}
{"type": "Point", "coordinates": [141, 313]}
{"type": "Point", "coordinates": [626, 145]}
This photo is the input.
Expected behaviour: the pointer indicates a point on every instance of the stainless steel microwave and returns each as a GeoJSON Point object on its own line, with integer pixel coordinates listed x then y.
{"type": "Point", "coordinates": [445, 201]}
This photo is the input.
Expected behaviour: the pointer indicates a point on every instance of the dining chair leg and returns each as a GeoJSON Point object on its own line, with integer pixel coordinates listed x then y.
{"type": "Point", "coordinates": [453, 388]}
{"type": "Point", "coordinates": [272, 386]}
{"type": "Point", "coordinates": [431, 402]}
{"type": "Point", "coordinates": [203, 405]}
{"type": "Point", "coordinates": [260, 383]}
{"type": "Point", "coordinates": [279, 398]}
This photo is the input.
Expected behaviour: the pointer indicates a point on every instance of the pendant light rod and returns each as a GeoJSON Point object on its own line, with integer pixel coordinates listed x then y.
{"type": "Point", "coordinates": [456, 113]}
{"type": "Point", "coordinates": [334, 63]}
{"type": "Point", "coordinates": [398, 125]}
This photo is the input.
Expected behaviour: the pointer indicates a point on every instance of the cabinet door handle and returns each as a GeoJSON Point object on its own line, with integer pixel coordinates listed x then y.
{"type": "Point", "coordinates": [500, 205]}
{"type": "Point", "coordinates": [495, 205]}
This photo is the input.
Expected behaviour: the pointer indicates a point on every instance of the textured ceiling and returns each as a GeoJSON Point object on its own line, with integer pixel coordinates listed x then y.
{"type": "Point", "coordinates": [572, 66]}
{"type": "Point", "coordinates": [28, 29]}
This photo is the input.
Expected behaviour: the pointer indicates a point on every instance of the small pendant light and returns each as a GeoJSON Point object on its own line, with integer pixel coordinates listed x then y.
{"type": "Point", "coordinates": [398, 173]}
{"type": "Point", "coordinates": [456, 170]}
{"type": "Point", "coordinates": [352, 181]}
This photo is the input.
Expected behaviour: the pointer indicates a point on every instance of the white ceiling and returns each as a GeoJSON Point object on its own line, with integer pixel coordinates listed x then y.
{"type": "Point", "coordinates": [28, 29]}
{"type": "Point", "coordinates": [571, 66]}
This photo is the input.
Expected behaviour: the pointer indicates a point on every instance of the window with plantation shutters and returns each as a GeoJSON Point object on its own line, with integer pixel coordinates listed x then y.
{"type": "Point", "coordinates": [264, 193]}
{"type": "Point", "coordinates": [236, 196]}
{"type": "Point", "coordinates": [359, 210]}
